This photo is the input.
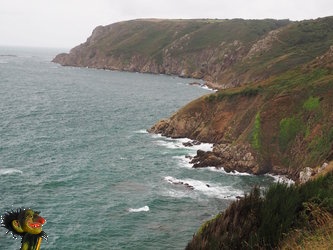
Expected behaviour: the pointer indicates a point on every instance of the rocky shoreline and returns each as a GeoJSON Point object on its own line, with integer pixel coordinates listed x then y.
{"type": "Point", "coordinates": [240, 158]}
{"type": "Point", "coordinates": [229, 157]}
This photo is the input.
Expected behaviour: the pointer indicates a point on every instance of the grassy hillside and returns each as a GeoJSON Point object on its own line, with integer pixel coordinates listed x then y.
{"type": "Point", "coordinates": [190, 48]}
{"type": "Point", "coordinates": [229, 53]}
{"type": "Point", "coordinates": [150, 36]}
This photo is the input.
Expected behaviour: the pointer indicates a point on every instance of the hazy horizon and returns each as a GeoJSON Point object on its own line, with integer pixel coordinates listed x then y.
{"type": "Point", "coordinates": [67, 23]}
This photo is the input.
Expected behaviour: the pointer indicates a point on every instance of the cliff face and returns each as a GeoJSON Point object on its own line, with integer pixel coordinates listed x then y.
{"type": "Point", "coordinates": [208, 49]}
{"type": "Point", "coordinates": [280, 125]}
{"type": "Point", "coordinates": [227, 53]}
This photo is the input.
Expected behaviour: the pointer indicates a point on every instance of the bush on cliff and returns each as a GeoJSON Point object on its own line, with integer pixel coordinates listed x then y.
{"type": "Point", "coordinates": [262, 222]}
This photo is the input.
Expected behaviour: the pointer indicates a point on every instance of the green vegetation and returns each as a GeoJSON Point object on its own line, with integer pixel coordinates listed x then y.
{"type": "Point", "coordinates": [278, 213]}
{"type": "Point", "coordinates": [289, 129]}
{"type": "Point", "coordinates": [312, 103]}
{"type": "Point", "coordinates": [263, 222]}
{"type": "Point", "coordinates": [242, 92]}
{"type": "Point", "coordinates": [231, 52]}
{"type": "Point", "coordinates": [321, 146]}
{"type": "Point", "coordinates": [212, 33]}
{"type": "Point", "coordinates": [256, 140]}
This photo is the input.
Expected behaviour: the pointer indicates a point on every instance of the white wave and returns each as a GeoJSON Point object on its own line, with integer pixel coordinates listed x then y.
{"type": "Point", "coordinates": [208, 88]}
{"type": "Point", "coordinates": [156, 136]}
{"type": "Point", "coordinates": [207, 188]}
{"type": "Point", "coordinates": [186, 163]}
{"type": "Point", "coordinates": [221, 170]}
{"type": "Point", "coordinates": [166, 144]}
{"type": "Point", "coordinates": [179, 144]}
{"type": "Point", "coordinates": [183, 161]}
{"type": "Point", "coordinates": [9, 171]}
{"type": "Point", "coordinates": [203, 146]}
{"type": "Point", "coordinates": [141, 131]}
{"type": "Point", "coordinates": [281, 179]}
{"type": "Point", "coordinates": [137, 210]}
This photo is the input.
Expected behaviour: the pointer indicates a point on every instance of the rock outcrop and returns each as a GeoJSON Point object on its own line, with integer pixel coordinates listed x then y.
{"type": "Point", "coordinates": [231, 158]}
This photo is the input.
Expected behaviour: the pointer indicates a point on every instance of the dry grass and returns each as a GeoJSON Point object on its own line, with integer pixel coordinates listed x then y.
{"type": "Point", "coordinates": [322, 238]}
{"type": "Point", "coordinates": [329, 168]}
{"type": "Point", "coordinates": [319, 237]}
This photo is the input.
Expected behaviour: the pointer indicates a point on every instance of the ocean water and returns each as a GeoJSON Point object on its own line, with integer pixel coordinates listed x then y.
{"type": "Point", "coordinates": [74, 146]}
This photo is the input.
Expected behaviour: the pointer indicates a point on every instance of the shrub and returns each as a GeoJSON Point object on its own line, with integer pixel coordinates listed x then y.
{"type": "Point", "coordinates": [321, 146]}
{"type": "Point", "coordinates": [289, 128]}
{"type": "Point", "coordinates": [256, 142]}
{"type": "Point", "coordinates": [251, 91]}
{"type": "Point", "coordinates": [311, 103]}
{"type": "Point", "coordinates": [256, 222]}
{"type": "Point", "coordinates": [278, 214]}
{"type": "Point", "coordinates": [211, 98]}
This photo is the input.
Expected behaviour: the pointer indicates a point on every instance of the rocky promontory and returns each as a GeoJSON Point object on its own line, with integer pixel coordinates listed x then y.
{"type": "Point", "coordinates": [280, 126]}
{"type": "Point", "coordinates": [201, 48]}
{"type": "Point", "coordinates": [273, 110]}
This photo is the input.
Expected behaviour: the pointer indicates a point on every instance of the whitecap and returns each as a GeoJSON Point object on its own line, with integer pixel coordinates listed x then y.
{"type": "Point", "coordinates": [137, 210]}
{"type": "Point", "coordinates": [208, 88]}
{"type": "Point", "coordinates": [9, 171]}
{"type": "Point", "coordinates": [179, 144]}
{"type": "Point", "coordinates": [166, 144]}
{"type": "Point", "coordinates": [207, 188]}
{"type": "Point", "coordinates": [141, 131]}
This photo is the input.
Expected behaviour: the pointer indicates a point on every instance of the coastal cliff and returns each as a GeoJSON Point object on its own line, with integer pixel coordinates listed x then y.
{"type": "Point", "coordinates": [212, 50]}
{"type": "Point", "coordinates": [280, 126]}
{"type": "Point", "coordinates": [224, 53]}
{"type": "Point", "coordinates": [273, 110]}
{"type": "Point", "coordinates": [272, 113]}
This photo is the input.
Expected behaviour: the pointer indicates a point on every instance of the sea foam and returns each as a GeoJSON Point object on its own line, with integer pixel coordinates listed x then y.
{"type": "Point", "coordinates": [281, 179]}
{"type": "Point", "coordinates": [207, 188]}
{"type": "Point", "coordinates": [179, 144]}
{"type": "Point", "coordinates": [10, 171]}
{"type": "Point", "coordinates": [137, 210]}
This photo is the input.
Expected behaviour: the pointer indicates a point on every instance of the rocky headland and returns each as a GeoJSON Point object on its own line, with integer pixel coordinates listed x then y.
{"type": "Point", "coordinates": [204, 49]}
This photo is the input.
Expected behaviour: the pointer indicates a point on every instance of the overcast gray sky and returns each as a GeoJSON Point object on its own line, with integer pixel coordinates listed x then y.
{"type": "Point", "coordinates": [67, 23]}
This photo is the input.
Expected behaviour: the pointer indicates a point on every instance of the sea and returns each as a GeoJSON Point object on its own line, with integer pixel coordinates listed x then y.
{"type": "Point", "coordinates": [74, 146]}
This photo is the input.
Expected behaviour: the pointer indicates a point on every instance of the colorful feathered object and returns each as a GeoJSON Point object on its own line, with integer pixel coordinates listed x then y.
{"type": "Point", "coordinates": [27, 224]}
